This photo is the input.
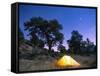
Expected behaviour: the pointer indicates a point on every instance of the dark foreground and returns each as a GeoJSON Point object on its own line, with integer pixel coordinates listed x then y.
{"type": "Point", "coordinates": [48, 63]}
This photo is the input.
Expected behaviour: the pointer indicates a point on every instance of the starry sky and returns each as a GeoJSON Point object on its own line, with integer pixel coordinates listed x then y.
{"type": "Point", "coordinates": [72, 18]}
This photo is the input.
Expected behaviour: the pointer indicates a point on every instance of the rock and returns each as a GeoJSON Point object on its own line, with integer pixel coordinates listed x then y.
{"type": "Point", "coordinates": [25, 48]}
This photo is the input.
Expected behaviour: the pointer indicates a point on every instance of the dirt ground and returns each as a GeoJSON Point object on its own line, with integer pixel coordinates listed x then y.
{"type": "Point", "coordinates": [48, 63]}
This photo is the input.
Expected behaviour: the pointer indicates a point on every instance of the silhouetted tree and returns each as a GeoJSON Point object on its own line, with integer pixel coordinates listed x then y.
{"type": "Point", "coordinates": [95, 50]}
{"type": "Point", "coordinates": [90, 46]}
{"type": "Point", "coordinates": [74, 42]}
{"type": "Point", "coordinates": [62, 49]}
{"type": "Point", "coordinates": [20, 34]}
{"type": "Point", "coordinates": [87, 47]}
{"type": "Point", "coordinates": [83, 47]}
{"type": "Point", "coordinates": [45, 31]}
{"type": "Point", "coordinates": [41, 44]}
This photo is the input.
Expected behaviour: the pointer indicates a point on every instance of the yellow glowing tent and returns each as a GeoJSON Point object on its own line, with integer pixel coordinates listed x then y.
{"type": "Point", "coordinates": [67, 61]}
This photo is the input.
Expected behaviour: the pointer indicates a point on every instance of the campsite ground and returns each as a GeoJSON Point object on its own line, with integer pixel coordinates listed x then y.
{"type": "Point", "coordinates": [47, 63]}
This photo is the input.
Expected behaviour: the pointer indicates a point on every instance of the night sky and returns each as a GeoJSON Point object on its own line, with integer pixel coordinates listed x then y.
{"type": "Point", "coordinates": [81, 19]}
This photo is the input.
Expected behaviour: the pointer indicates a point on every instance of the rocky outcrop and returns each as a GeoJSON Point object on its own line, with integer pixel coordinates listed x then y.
{"type": "Point", "coordinates": [25, 48]}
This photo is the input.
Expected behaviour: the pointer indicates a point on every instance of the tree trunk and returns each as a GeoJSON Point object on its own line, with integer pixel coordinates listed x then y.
{"type": "Point", "coordinates": [50, 52]}
{"type": "Point", "coordinates": [49, 44]}
{"type": "Point", "coordinates": [49, 47]}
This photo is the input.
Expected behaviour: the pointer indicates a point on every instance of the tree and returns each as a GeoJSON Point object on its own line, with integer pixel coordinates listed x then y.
{"type": "Point", "coordinates": [21, 35]}
{"type": "Point", "coordinates": [75, 42]}
{"type": "Point", "coordinates": [41, 44]}
{"type": "Point", "coordinates": [48, 31]}
{"type": "Point", "coordinates": [62, 49]}
{"type": "Point", "coordinates": [90, 46]}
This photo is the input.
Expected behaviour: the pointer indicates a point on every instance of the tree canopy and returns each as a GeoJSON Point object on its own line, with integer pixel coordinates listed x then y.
{"type": "Point", "coordinates": [79, 46]}
{"type": "Point", "coordinates": [62, 49]}
{"type": "Point", "coordinates": [44, 32]}
{"type": "Point", "coordinates": [74, 42]}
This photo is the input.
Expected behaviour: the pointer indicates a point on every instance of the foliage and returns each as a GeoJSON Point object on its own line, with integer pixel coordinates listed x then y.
{"type": "Point", "coordinates": [78, 46]}
{"type": "Point", "coordinates": [88, 47]}
{"type": "Point", "coordinates": [75, 42]}
{"type": "Point", "coordinates": [20, 36]}
{"type": "Point", "coordinates": [62, 49]}
{"type": "Point", "coordinates": [44, 32]}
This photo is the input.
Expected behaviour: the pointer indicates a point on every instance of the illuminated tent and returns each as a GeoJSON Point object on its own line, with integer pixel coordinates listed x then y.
{"type": "Point", "coordinates": [67, 61]}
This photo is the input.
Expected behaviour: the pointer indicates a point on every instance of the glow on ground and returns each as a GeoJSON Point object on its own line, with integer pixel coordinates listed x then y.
{"type": "Point", "coordinates": [67, 61]}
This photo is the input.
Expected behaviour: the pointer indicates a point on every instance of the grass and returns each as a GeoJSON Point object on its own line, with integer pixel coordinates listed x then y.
{"type": "Point", "coordinates": [42, 62]}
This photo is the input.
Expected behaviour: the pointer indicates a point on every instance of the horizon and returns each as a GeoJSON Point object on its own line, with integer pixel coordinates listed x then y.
{"type": "Point", "coordinates": [71, 18]}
